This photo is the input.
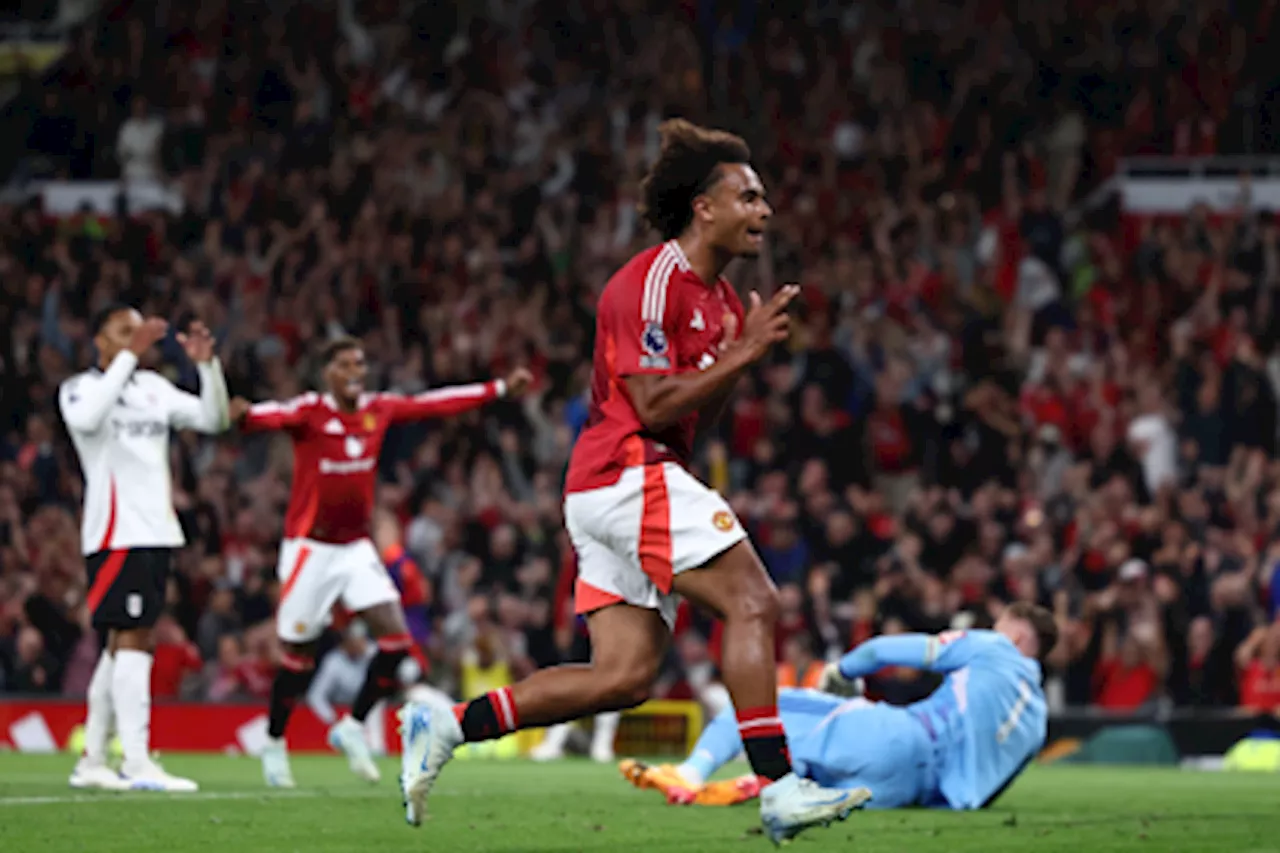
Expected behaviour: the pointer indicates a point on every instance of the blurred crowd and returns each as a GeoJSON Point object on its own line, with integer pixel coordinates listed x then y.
{"type": "Point", "coordinates": [992, 393]}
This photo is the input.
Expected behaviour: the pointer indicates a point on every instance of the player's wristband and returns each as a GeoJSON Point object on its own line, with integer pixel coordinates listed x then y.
{"type": "Point", "coordinates": [500, 386]}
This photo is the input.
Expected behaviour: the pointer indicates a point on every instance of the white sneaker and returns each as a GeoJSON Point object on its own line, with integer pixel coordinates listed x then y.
{"type": "Point", "coordinates": [347, 736]}
{"type": "Point", "coordinates": [428, 737]}
{"type": "Point", "coordinates": [94, 775]}
{"type": "Point", "coordinates": [275, 764]}
{"type": "Point", "coordinates": [149, 776]}
{"type": "Point", "coordinates": [793, 804]}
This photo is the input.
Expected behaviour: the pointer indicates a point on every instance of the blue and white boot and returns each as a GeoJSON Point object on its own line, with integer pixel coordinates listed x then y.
{"type": "Point", "coordinates": [793, 804]}
{"type": "Point", "coordinates": [347, 736]}
{"type": "Point", "coordinates": [428, 737]}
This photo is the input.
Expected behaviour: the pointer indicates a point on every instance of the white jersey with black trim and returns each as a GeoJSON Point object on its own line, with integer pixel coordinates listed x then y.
{"type": "Point", "coordinates": [120, 421]}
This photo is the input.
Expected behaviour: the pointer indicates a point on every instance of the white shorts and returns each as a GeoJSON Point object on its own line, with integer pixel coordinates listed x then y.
{"type": "Point", "coordinates": [314, 575]}
{"type": "Point", "coordinates": [635, 536]}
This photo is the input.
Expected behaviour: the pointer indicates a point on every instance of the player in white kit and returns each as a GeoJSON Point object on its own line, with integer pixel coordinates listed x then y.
{"type": "Point", "coordinates": [120, 417]}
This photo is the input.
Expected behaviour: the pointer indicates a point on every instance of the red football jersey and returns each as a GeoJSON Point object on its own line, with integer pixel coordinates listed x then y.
{"type": "Point", "coordinates": [656, 315]}
{"type": "Point", "coordinates": [335, 453]}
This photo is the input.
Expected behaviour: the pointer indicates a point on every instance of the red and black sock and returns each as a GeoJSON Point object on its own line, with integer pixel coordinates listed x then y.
{"type": "Point", "coordinates": [381, 679]}
{"type": "Point", "coordinates": [291, 681]}
{"type": "Point", "coordinates": [765, 742]}
{"type": "Point", "coordinates": [488, 717]}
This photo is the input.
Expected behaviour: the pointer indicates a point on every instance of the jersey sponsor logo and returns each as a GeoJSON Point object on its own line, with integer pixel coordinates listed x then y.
{"type": "Point", "coordinates": [333, 427]}
{"type": "Point", "coordinates": [348, 466]}
{"type": "Point", "coordinates": [697, 323]}
{"type": "Point", "coordinates": [723, 521]}
{"type": "Point", "coordinates": [653, 339]}
{"type": "Point", "coordinates": [139, 429]}
{"type": "Point", "coordinates": [353, 446]}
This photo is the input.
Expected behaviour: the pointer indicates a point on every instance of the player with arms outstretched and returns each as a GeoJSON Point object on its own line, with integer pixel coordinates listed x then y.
{"type": "Point", "coordinates": [671, 343]}
{"type": "Point", "coordinates": [958, 749]}
{"type": "Point", "coordinates": [327, 553]}
{"type": "Point", "coordinates": [120, 418]}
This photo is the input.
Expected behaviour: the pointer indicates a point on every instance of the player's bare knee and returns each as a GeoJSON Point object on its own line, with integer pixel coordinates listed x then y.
{"type": "Point", "coordinates": [627, 687]}
{"type": "Point", "coordinates": [758, 602]}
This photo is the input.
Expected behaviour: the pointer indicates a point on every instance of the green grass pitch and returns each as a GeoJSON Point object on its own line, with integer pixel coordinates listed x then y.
{"type": "Point", "coordinates": [576, 806]}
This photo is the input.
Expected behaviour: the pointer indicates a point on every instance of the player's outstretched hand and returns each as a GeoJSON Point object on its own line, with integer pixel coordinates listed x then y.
{"type": "Point", "coordinates": [239, 407]}
{"type": "Point", "coordinates": [149, 331]}
{"type": "Point", "coordinates": [518, 381]}
{"type": "Point", "coordinates": [767, 323]}
{"type": "Point", "coordinates": [198, 342]}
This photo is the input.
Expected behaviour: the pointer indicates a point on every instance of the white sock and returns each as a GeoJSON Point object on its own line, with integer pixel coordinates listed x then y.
{"type": "Point", "coordinates": [556, 737]}
{"type": "Point", "coordinates": [97, 724]}
{"type": "Point", "coordinates": [131, 690]}
{"type": "Point", "coordinates": [606, 727]}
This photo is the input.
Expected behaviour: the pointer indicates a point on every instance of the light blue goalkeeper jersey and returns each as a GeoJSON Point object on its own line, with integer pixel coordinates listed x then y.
{"type": "Point", "coordinates": [988, 719]}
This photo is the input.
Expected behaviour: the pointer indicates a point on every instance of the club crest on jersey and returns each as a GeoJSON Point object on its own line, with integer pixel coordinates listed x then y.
{"type": "Point", "coordinates": [354, 447]}
{"type": "Point", "coordinates": [722, 521]}
{"type": "Point", "coordinates": [370, 421]}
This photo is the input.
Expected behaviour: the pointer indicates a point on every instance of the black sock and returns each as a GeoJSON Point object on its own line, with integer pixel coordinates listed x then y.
{"type": "Point", "coordinates": [379, 682]}
{"type": "Point", "coordinates": [289, 684]}
{"type": "Point", "coordinates": [487, 717]}
{"type": "Point", "coordinates": [769, 756]}
{"type": "Point", "coordinates": [765, 742]}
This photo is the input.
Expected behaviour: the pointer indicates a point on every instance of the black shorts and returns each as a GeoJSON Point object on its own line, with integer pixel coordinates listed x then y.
{"type": "Point", "coordinates": [127, 588]}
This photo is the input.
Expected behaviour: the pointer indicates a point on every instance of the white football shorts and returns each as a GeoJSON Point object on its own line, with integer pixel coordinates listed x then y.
{"type": "Point", "coordinates": [314, 575]}
{"type": "Point", "coordinates": [635, 536]}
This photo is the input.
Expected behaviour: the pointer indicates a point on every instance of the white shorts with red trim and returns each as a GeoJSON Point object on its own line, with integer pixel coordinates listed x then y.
{"type": "Point", "coordinates": [314, 575]}
{"type": "Point", "coordinates": [635, 536]}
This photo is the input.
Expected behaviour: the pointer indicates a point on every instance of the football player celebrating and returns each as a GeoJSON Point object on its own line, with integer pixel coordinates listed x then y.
{"type": "Point", "coordinates": [671, 343]}
{"type": "Point", "coordinates": [327, 553]}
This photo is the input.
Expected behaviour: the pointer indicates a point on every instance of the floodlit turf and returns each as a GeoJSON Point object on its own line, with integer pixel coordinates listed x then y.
{"type": "Point", "coordinates": [575, 806]}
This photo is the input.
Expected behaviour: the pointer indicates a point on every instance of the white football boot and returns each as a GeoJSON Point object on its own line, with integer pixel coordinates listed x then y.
{"type": "Point", "coordinates": [150, 776]}
{"type": "Point", "coordinates": [347, 736]}
{"type": "Point", "coordinates": [793, 804]}
{"type": "Point", "coordinates": [428, 738]}
{"type": "Point", "coordinates": [95, 775]}
{"type": "Point", "coordinates": [275, 764]}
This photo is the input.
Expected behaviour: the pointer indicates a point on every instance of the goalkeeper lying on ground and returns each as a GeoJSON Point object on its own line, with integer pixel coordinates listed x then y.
{"type": "Point", "coordinates": [959, 748]}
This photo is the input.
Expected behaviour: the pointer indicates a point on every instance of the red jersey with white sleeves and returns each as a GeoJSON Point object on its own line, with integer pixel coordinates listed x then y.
{"type": "Point", "coordinates": [656, 315]}
{"type": "Point", "coordinates": [335, 453]}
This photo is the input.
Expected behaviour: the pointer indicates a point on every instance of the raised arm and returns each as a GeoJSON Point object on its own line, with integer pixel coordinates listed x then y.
{"type": "Point", "coordinates": [209, 412]}
{"type": "Point", "coordinates": [85, 400]}
{"type": "Point", "coordinates": [270, 415]}
{"type": "Point", "coordinates": [455, 399]}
